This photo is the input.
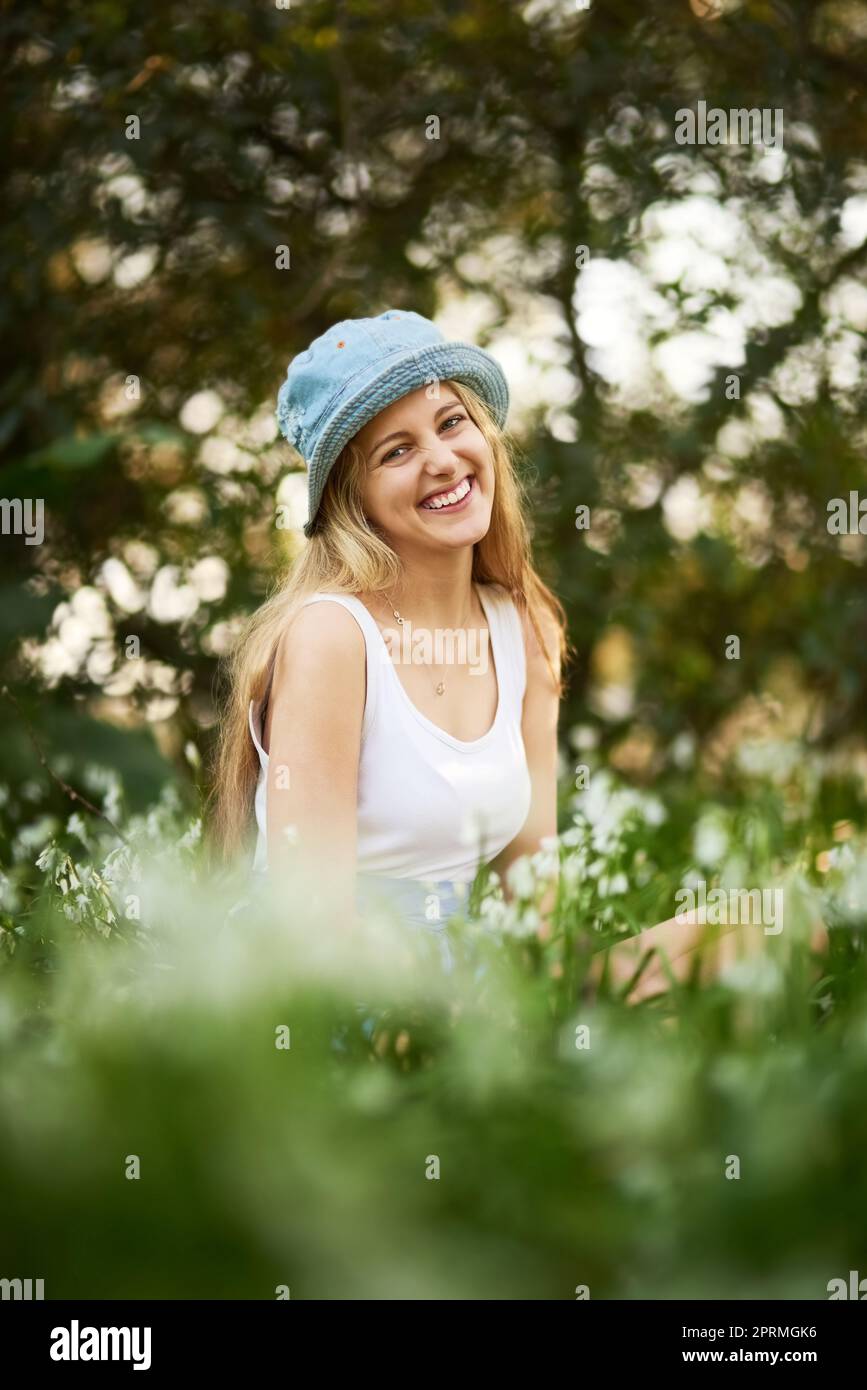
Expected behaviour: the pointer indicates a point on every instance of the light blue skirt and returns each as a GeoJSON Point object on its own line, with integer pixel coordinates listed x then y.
{"type": "Point", "coordinates": [424, 905]}
{"type": "Point", "coordinates": [421, 904]}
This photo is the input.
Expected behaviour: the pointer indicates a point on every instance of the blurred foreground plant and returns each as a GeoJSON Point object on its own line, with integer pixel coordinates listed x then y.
{"type": "Point", "coordinates": [192, 1106]}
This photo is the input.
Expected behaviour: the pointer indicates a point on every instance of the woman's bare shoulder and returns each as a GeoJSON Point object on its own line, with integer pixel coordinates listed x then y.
{"type": "Point", "coordinates": [319, 676]}
{"type": "Point", "coordinates": [324, 638]}
{"type": "Point", "coordinates": [537, 666]}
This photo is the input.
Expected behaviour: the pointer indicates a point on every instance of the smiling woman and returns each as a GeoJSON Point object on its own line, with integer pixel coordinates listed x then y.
{"type": "Point", "coordinates": [383, 779]}
{"type": "Point", "coordinates": [441, 466]}
{"type": "Point", "coordinates": [372, 773]}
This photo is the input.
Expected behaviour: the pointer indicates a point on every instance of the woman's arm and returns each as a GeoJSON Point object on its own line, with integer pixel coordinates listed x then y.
{"type": "Point", "coordinates": [685, 943]}
{"type": "Point", "coordinates": [539, 730]}
{"type": "Point", "coordinates": [313, 740]}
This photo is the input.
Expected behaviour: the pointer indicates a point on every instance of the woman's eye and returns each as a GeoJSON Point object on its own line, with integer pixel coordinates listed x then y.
{"type": "Point", "coordinates": [395, 452]}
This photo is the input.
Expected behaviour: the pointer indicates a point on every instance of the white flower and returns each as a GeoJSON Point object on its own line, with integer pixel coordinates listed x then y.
{"type": "Point", "coordinates": [710, 839]}
{"type": "Point", "coordinates": [545, 863]}
{"type": "Point", "coordinates": [654, 811]}
{"type": "Point", "coordinates": [530, 921]}
{"type": "Point", "coordinates": [75, 826]}
{"type": "Point", "coordinates": [192, 836]}
{"type": "Point", "coordinates": [520, 878]}
{"type": "Point", "coordinates": [519, 924]}
{"type": "Point", "coordinates": [50, 858]}
{"type": "Point", "coordinates": [493, 910]}
{"type": "Point", "coordinates": [571, 872]}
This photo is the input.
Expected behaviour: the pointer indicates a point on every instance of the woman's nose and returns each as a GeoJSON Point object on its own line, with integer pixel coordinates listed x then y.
{"type": "Point", "coordinates": [440, 456]}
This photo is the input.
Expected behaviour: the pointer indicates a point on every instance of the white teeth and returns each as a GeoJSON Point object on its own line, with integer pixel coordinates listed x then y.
{"type": "Point", "coordinates": [448, 499]}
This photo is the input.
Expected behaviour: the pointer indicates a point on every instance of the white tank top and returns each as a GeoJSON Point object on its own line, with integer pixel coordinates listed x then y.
{"type": "Point", "coordinates": [430, 806]}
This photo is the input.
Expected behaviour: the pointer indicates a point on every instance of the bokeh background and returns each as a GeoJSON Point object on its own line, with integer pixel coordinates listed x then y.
{"type": "Point", "coordinates": [191, 193]}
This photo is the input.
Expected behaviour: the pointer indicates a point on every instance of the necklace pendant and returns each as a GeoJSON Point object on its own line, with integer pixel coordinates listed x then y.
{"type": "Point", "coordinates": [441, 688]}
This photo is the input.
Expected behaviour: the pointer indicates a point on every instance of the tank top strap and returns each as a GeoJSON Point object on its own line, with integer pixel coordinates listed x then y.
{"type": "Point", "coordinates": [509, 639]}
{"type": "Point", "coordinates": [373, 645]}
{"type": "Point", "coordinates": [254, 718]}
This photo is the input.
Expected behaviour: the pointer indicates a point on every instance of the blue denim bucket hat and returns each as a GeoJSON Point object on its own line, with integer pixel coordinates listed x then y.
{"type": "Point", "coordinates": [360, 366]}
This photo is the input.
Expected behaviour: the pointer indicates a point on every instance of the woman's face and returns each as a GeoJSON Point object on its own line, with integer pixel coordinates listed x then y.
{"type": "Point", "coordinates": [418, 453]}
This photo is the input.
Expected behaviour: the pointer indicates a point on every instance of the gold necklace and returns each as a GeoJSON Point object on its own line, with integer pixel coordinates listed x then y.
{"type": "Point", "coordinates": [441, 685]}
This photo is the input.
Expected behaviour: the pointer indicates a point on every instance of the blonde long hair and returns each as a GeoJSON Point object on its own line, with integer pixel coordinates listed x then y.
{"type": "Point", "coordinates": [347, 556]}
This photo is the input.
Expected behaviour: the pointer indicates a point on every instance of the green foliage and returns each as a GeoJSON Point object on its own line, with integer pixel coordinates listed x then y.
{"type": "Point", "coordinates": [580, 1140]}
{"type": "Point", "coordinates": [139, 998]}
{"type": "Point", "coordinates": [261, 127]}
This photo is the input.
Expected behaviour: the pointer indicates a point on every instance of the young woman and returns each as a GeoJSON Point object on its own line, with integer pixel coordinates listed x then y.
{"type": "Point", "coordinates": [381, 766]}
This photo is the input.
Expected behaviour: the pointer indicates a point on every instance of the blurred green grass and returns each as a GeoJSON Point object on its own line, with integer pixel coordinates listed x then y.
{"type": "Point", "coordinates": [559, 1166]}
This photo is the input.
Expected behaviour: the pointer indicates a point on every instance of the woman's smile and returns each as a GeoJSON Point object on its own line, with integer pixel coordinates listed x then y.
{"type": "Point", "coordinates": [454, 499]}
{"type": "Point", "coordinates": [428, 457]}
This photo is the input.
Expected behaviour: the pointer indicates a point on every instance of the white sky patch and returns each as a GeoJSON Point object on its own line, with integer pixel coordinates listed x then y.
{"type": "Point", "coordinates": [530, 346]}
{"type": "Point", "coordinates": [200, 413]}
{"type": "Point", "coordinates": [853, 221]}
{"type": "Point", "coordinates": [766, 417]}
{"type": "Point", "coordinates": [210, 578]}
{"type": "Point", "coordinates": [735, 439]}
{"type": "Point", "coordinates": [754, 506]}
{"type": "Point", "coordinates": [171, 600]}
{"type": "Point", "coordinates": [129, 190]}
{"type": "Point", "coordinates": [53, 661]}
{"type": "Point", "coordinates": [100, 662]}
{"type": "Point", "coordinates": [796, 379]}
{"type": "Point", "coordinates": [221, 455]}
{"type": "Point", "coordinates": [77, 625]}
{"type": "Point", "coordinates": [685, 509]}
{"type": "Point", "coordinates": [261, 428]}
{"type": "Point", "coordinates": [220, 639]}
{"type": "Point", "coordinates": [643, 484]}
{"type": "Point", "coordinates": [846, 303]}
{"type": "Point", "coordinates": [688, 361]}
{"type": "Point", "coordinates": [703, 248]}
{"type": "Point", "coordinates": [122, 589]}
{"type": "Point", "coordinates": [131, 271]}
{"type": "Point", "coordinates": [93, 258]}
{"type": "Point", "coordinates": [845, 364]}
{"type": "Point", "coordinates": [616, 311]}
{"type": "Point", "coordinates": [186, 506]}
{"type": "Point", "coordinates": [697, 234]}
{"type": "Point", "coordinates": [77, 90]}
{"type": "Point", "coordinates": [771, 164]}
{"type": "Point", "coordinates": [141, 557]}
{"type": "Point", "coordinates": [114, 400]}
{"type": "Point", "coordinates": [292, 494]}
{"type": "Point", "coordinates": [769, 300]}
